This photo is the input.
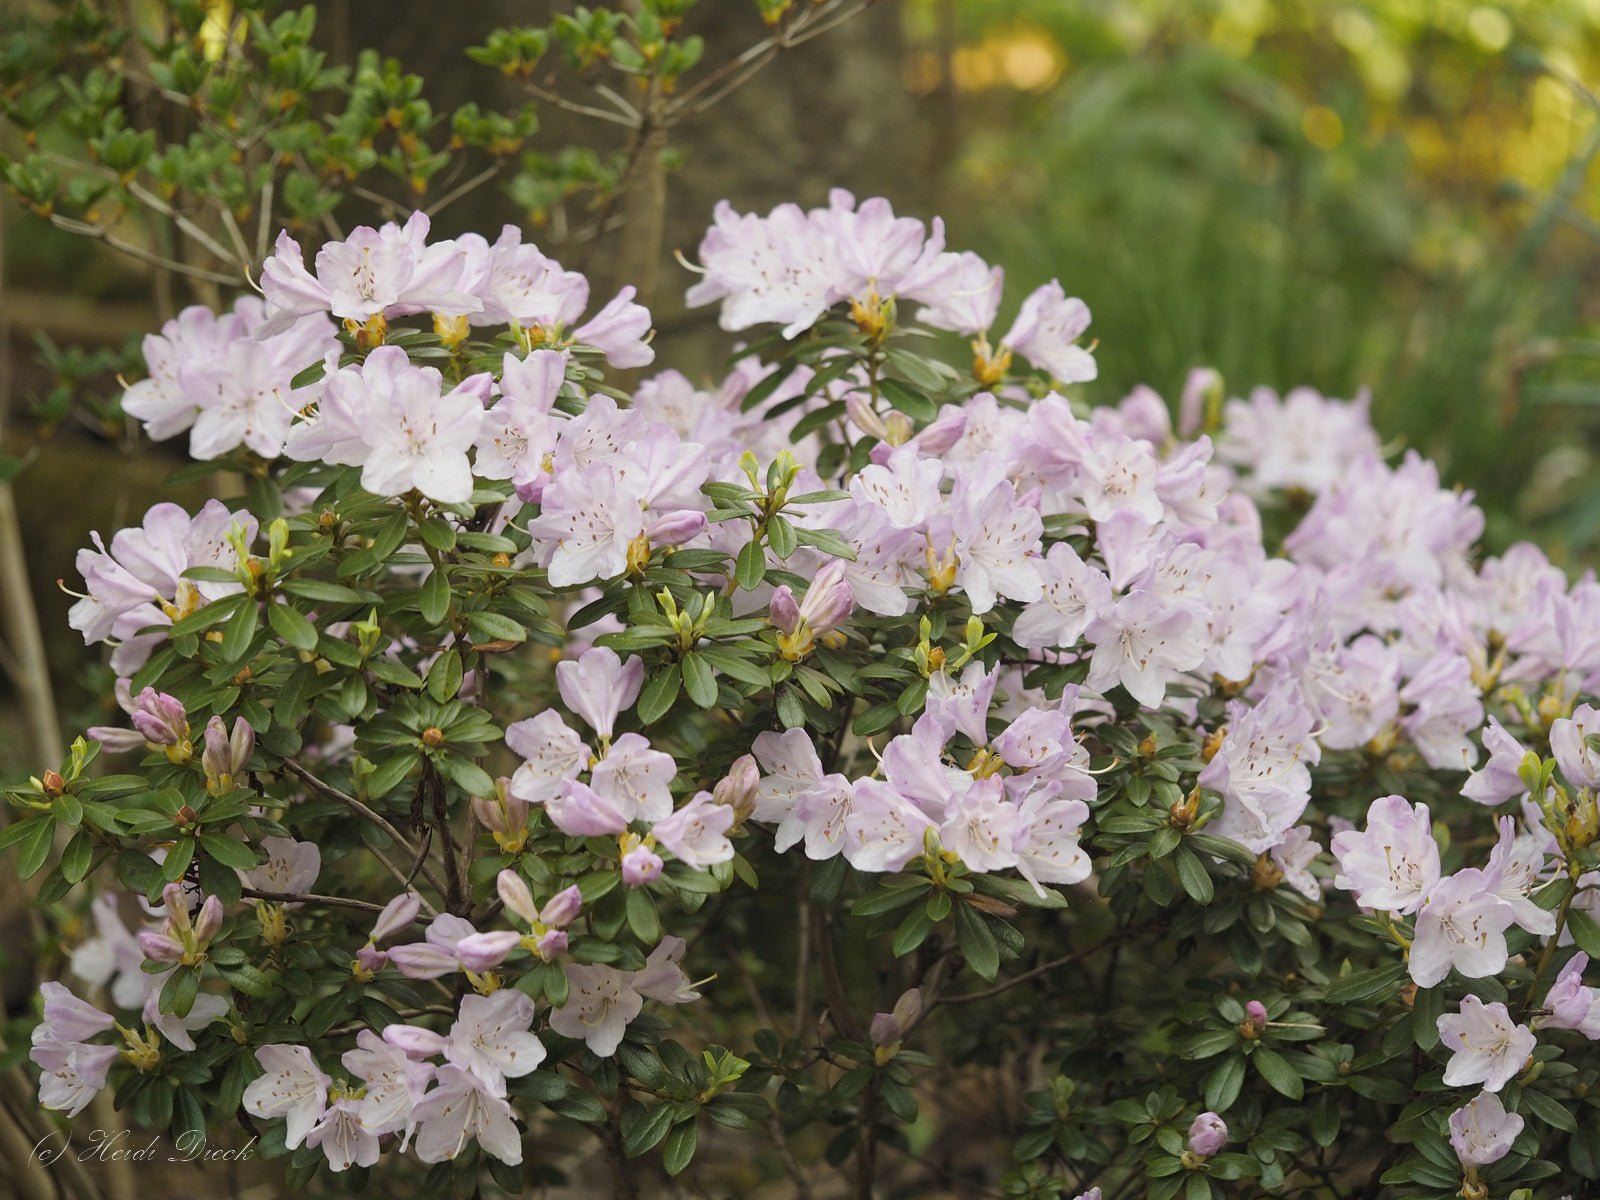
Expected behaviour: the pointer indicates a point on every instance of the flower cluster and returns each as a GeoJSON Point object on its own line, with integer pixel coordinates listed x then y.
{"type": "Point", "coordinates": [930, 645]}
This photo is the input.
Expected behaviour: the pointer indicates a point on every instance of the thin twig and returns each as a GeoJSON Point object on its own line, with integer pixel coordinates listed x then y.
{"type": "Point", "coordinates": [461, 189]}
{"type": "Point", "coordinates": [86, 229]}
{"type": "Point", "coordinates": [311, 898]}
{"type": "Point", "coordinates": [572, 106]}
{"type": "Point", "coordinates": [264, 221]}
{"type": "Point", "coordinates": [1042, 969]}
{"type": "Point", "coordinates": [377, 819]}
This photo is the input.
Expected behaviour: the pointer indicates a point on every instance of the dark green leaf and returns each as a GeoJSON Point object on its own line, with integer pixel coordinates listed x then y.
{"type": "Point", "coordinates": [434, 601]}
{"type": "Point", "coordinates": [228, 852]}
{"type": "Point", "coordinates": [751, 566]}
{"type": "Point", "coordinates": [495, 627]}
{"type": "Point", "coordinates": [698, 681]}
{"type": "Point", "coordinates": [680, 1147]}
{"type": "Point", "coordinates": [1280, 1076]}
{"type": "Point", "coordinates": [34, 848]}
{"type": "Point", "coordinates": [977, 942]}
{"type": "Point", "coordinates": [659, 693]}
{"type": "Point", "coordinates": [292, 626]}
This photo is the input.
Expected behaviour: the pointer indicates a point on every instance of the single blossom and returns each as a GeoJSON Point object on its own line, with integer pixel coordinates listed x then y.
{"type": "Point", "coordinates": [1487, 1047]}
{"type": "Point", "coordinates": [460, 1108]}
{"type": "Point", "coordinates": [1461, 924]}
{"type": "Point", "coordinates": [1392, 864]}
{"type": "Point", "coordinates": [697, 833]}
{"type": "Point", "coordinates": [293, 1088]}
{"type": "Point", "coordinates": [1482, 1131]}
{"type": "Point", "coordinates": [600, 1002]}
{"type": "Point", "coordinates": [599, 686]}
{"type": "Point", "coordinates": [491, 1038]}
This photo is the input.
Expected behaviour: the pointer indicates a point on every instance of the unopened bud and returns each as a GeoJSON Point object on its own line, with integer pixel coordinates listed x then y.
{"type": "Point", "coordinates": [640, 866]}
{"type": "Point", "coordinates": [158, 947]}
{"type": "Point", "coordinates": [53, 784]}
{"type": "Point", "coordinates": [433, 737]}
{"type": "Point", "coordinates": [737, 789]}
{"type": "Point", "coordinates": [676, 527]}
{"type": "Point", "coordinates": [858, 406]}
{"type": "Point", "coordinates": [160, 718]}
{"type": "Point", "coordinates": [1207, 1135]}
{"type": "Point", "coordinates": [396, 915]}
{"type": "Point", "coordinates": [562, 909]}
{"type": "Point", "coordinates": [226, 756]}
{"type": "Point", "coordinates": [1255, 1020]}
{"type": "Point", "coordinates": [514, 894]}
{"type": "Point", "coordinates": [784, 611]}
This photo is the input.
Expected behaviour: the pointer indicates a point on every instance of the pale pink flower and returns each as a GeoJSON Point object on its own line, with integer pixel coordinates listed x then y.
{"type": "Point", "coordinates": [1486, 1046]}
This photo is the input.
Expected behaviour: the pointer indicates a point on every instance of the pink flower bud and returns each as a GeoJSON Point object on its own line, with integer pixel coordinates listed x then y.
{"type": "Point", "coordinates": [413, 1040]}
{"type": "Point", "coordinates": [177, 905]}
{"type": "Point", "coordinates": [552, 944]}
{"type": "Point", "coordinates": [783, 612]}
{"type": "Point", "coordinates": [530, 492]}
{"type": "Point", "coordinates": [828, 600]}
{"type": "Point", "coordinates": [640, 866]}
{"type": "Point", "coordinates": [209, 920]}
{"type": "Point", "coordinates": [864, 417]}
{"type": "Point", "coordinates": [1255, 1013]}
{"type": "Point", "coordinates": [158, 947]}
{"type": "Point", "coordinates": [562, 908]}
{"type": "Point", "coordinates": [1207, 1135]}
{"type": "Point", "coordinates": [225, 755]}
{"type": "Point", "coordinates": [885, 1030]}
{"type": "Point", "coordinates": [943, 432]}
{"type": "Point", "coordinates": [502, 812]}
{"type": "Point", "coordinates": [481, 951]}
{"type": "Point", "coordinates": [580, 812]}
{"type": "Point", "coordinates": [396, 915]}
{"type": "Point", "coordinates": [675, 528]}
{"type": "Point", "coordinates": [514, 894]}
{"type": "Point", "coordinates": [737, 789]}
{"type": "Point", "coordinates": [161, 718]}
{"type": "Point", "coordinates": [371, 960]}
{"type": "Point", "coordinates": [420, 960]}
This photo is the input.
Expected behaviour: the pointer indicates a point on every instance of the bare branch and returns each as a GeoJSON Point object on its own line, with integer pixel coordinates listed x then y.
{"type": "Point", "coordinates": [121, 246]}
{"type": "Point", "coordinates": [586, 110]}
{"type": "Point", "coordinates": [377, 819]}
{"type": "Point", "coordinates": [461, 189]}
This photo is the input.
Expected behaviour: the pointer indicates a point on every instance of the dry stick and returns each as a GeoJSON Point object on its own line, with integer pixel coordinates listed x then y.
{"type": "Point", "coordinates": [85, 229]}
{"type": "Point", "coordinates": [1042, 969]}
{"type": "Point", "coordinates": [264, 220]}
{"type": "Point", "coordinates": [377, 819]}
{"type": "Point", "coordinates": [461, 189]}
{"type": "Point", "coordinates": [572, 106]}
{"type": "Point", "coordinates": [310, 898]}
{"type": "Point", "coordinates": [23, 1171]}
{"type": "Point", "coordinates": [19, 1098]}
{"type": "Point", "coordinates": [736, 72]}
{"type": "Point", "coordinates": [32, 679]}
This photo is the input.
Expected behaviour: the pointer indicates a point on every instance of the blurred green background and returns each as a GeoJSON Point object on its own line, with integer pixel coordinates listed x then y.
{"type": "Point", "coordinates": [1392, 194]}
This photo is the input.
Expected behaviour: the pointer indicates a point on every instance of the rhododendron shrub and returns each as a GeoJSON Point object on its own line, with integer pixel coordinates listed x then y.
{"type": "Point", "coordinates": [770, 761]}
